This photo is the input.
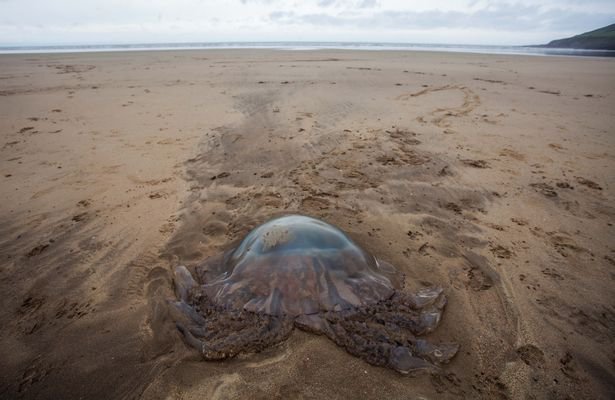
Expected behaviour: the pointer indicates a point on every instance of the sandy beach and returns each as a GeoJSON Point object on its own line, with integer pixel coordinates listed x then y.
{"type": "Point", "coordinates": [492, 176]}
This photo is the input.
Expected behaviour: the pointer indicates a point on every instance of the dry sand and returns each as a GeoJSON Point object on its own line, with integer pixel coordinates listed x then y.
{"type": "Point", "coordinates": [490, 175]}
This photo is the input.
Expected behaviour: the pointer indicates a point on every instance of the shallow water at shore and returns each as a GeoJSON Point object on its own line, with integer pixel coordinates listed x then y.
{"type": "Point", "coordinates": [306, 46]}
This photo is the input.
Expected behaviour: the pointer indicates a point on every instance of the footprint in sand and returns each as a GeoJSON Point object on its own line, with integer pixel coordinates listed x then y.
{"type": "Point", "coordinates": [512, 154]}
{"type": "Point", "coordinates": [36, 372]}
{"type": "Point", "coordinates": [531, 355]}
{"type": "Point", "coordinates": [501, 252]}
{"type": "Point", "coordinates": [157, 195]}
{"type": "Point", "coordinates": [476, 163]}
{"type": "Point", "coordinates": [220, 176]}
{"type": "Point", "coordinates": [556, 146]}
{"type": "Point", "coordinates": [80, 217]}
{"type": "Point", "coordinates": [588, 183]}
{"type": "Point", "coordinates": [552, 273]}
{"type": "Point", "coordinates": [84, 203]}
{"type": "Point", "coordinates": [37, 250]}
{"type": "Point", "coordinates": [545, 189]}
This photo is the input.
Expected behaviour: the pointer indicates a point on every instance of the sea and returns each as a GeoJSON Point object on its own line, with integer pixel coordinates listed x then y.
{"type": "Point", "coordinates": [306, 46]}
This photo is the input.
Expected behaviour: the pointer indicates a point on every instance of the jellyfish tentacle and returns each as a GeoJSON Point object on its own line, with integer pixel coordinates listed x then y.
{"type": "Point", "coordinates": [240, 333]}
{"type": "Point", "coordinates": [384, 333]}
{"type": "Point", "coordinates": [372, 352]}
{"type": "Point", "coordinates": [402, 360]}
{"type": "Point", "coordinates": [437, 354]}
{"type": "Point", "coordinates": [420, 313]}
{"type": "Point", "coordinates": [313, 323]}
{"type": "Point", "coordinates": [186, 312]}
{"type": "Point", "coordinates": [422, 298]}
{"type": "Point", "coordinates": [184, 283]}
{"type": "Point", "coordinates": [189, 337]}
{"type": "Point", "coordinates": [429, 320]}
{"type": "Point", "coordinates": [370, 343]}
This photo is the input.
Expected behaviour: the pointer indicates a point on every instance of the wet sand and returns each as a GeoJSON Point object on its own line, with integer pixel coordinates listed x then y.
{"type": "Point", "coordinates": [492, 176]}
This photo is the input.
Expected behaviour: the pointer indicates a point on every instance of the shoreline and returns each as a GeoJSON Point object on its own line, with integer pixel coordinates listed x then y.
{"type": "Point", "coordinates": [527, 50]}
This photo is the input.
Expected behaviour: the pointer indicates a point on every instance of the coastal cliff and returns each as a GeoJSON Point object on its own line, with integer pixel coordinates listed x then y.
{"type": "Point", "coordinates": [599, 39]}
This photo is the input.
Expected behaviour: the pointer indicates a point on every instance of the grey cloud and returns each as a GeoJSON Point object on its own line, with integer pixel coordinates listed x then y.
{"type": "Point", "coordinates": [498, 17]}
{"type": "Point", "coordinates": [347, 4]}
{"type": "Point", "coordinates": [367, 4]}
{"type": "Point", "coordinates": [257, 1]}
{"type": "Point", "coordinates": [99, 20]}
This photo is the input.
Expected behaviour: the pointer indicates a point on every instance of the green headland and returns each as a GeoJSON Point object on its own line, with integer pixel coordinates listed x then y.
{"type": "Point", "coordinates": [599, 39]}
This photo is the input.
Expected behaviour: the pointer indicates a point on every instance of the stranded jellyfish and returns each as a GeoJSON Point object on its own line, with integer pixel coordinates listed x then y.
{"type": "Point", "coordinates": [297, 271]}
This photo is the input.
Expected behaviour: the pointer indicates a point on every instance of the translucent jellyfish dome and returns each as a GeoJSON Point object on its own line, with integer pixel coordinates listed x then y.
{"type": "Point", "coordinates": [295, 265]}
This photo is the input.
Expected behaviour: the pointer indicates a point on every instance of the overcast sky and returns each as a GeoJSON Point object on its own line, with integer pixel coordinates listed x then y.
{"type": "Point", "coordinates": [432, 21]}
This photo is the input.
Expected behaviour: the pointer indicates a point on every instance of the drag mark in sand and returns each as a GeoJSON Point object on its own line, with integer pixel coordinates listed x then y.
{"type": "Point", "coordinates": [440, 116]}
{"type": "Point", "coordinates": [371, 180]}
